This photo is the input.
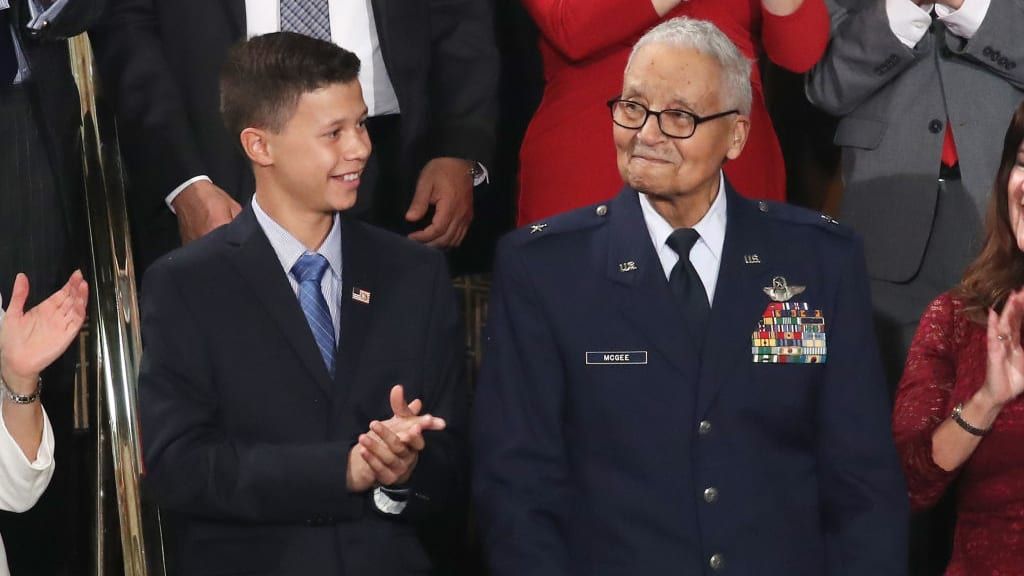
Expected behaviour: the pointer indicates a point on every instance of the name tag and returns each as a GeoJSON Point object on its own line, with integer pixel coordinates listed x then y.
{"type": "Point", "coordinates": [617, 357]}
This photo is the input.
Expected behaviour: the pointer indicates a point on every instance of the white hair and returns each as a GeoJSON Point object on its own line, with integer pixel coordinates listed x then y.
{"type": "Point", "coordinates": [707, 39]}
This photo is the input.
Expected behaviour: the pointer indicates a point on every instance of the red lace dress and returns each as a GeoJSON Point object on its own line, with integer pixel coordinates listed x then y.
{"type": "Point", "coordinates": [946, 365]}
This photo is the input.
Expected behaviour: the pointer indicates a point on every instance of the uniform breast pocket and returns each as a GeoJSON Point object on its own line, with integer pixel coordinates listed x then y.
{"type": "Point", "coordinates": [785, 394]}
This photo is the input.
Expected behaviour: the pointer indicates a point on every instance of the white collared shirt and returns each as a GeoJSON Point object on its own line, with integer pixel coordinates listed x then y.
{"type": "Point", "coordinates": [910, 22]}
{"type": "Point", "coordinates": [22, 482]}
{"type": "Point", "coordinates": [354, 29]}
{"type": "Point", "coordinates": [706, 255]}
{"type": "Point", "coordinates": [289, 250]}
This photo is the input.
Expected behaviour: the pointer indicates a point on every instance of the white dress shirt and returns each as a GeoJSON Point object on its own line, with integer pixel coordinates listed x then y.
{"type": "Point", "coordinates": [706, 255]}
{"type": "Point", "coordinates": [910, 22]}
{"type": "Point", "coordinates": [22, 482]}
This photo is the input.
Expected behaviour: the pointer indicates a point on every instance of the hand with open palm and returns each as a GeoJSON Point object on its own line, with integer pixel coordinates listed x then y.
{"type": "Point", "coordinates": [31, 340]}
{"type": "Point", "coordinates": [1004, 380]}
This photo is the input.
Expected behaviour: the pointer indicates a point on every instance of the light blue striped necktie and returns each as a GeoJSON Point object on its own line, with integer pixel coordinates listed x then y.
{"type": "Point", "coordinates": [309, 271]}
{"type": "Point", "coordinates": [309, 17]}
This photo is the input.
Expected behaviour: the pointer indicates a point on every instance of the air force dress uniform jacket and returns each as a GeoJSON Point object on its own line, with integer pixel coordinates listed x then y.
{"type": "Point", "coordinates": [612, 440]}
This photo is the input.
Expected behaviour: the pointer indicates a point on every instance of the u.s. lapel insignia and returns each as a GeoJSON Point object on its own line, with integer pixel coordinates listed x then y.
{"type": "Point", "coordinates": [751, 259]}
{"type": "Point", "coordinates": [360, 295]}
{"type": "Point", "coordinates": [781, 291]}
{"type": "Point", "coordinates": [534, 228]}
{"type": "Point", "coordinates": [627, 266]}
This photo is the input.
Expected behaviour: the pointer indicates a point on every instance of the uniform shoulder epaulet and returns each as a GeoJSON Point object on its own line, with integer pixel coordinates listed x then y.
{"type": "Point", "coordinates": [572, 221]}
{"type": "Point", "coordinates": [798, 215]}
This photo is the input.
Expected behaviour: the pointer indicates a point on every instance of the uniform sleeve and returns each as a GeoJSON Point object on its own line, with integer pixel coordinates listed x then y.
{"type": "Point", "coordinates": [921, 403]}
{"type": "Point", "coordinates": [23, 482]}
{"type": "Point", "coordinates": [192, 464]}
{"type": "Point", "coordinates": [796, 41]}
{"type": "Point", "coordinates": [520, 475]}
{"type": "Point", "coordinates": [863, 495]}
{"type": "Point", "coordinates": [581, 28]}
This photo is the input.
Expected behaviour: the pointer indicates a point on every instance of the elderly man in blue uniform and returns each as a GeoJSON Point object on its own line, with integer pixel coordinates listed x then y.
{"type": "Point", "coordinates": [719, 412]}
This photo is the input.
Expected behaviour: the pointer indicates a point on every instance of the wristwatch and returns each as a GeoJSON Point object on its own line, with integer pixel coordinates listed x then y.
{"type": "Point", "coordinates": [959, 419]}
{"type": "Point", "coordinates": [21, 398]}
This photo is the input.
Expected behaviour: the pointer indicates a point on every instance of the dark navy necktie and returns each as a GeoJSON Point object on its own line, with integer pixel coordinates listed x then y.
{"type": "Point", "coordinates": [684, 281]}
{"type": "Point", "coordinates": [8, 58]}
{"type": "Point", "coordinates": [309, 271]}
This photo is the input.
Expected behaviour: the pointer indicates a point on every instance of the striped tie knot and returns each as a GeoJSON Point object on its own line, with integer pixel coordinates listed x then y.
{"type": "Point", "coordinates": [310, 268]}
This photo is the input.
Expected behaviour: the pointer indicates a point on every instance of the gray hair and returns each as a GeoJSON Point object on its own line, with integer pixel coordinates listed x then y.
{"type": "Point", "coordinates": [707, 39]}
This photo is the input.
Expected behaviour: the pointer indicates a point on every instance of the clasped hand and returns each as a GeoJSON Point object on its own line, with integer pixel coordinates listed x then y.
{"type": "Point", "coordinates": [387, 453]}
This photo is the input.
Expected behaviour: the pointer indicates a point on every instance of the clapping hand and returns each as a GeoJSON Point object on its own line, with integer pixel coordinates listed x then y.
{"type": "Point", "coordinates": [387, 453]}
{"type": "Point", "coordinates": [1004, 380]}
{"type": "Point", "coordinates": [31, 340]}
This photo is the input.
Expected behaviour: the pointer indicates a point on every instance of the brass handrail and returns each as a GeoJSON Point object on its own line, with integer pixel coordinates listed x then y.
{"type": "Point", "coordinates": [116, 344]}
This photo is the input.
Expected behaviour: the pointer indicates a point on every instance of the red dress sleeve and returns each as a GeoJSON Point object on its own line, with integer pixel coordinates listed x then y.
{"type": "Point", "coordinates": [580, 28]}
{"type": "Point", "coordinates": [922, 401]}
{"type": "Point", "coordinates": [796, 41]}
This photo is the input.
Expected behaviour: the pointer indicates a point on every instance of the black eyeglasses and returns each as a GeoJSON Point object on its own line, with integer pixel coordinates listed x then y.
{"type": "Point", "coordinates": [673, 123]}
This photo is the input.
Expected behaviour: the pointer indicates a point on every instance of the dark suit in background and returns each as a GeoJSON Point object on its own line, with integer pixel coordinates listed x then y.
{"type": "Point", "coordinates": [161, 60]}
{"type": "Point", "coordinates": [247, 437]}
{"type": "Point", "coordinates": [686, 457]}
{"type": "Point", "coordinates": [41, 228]}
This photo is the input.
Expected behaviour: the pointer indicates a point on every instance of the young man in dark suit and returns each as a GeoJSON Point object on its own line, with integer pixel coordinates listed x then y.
{"type": "Point", "coordinates": [274, 433]}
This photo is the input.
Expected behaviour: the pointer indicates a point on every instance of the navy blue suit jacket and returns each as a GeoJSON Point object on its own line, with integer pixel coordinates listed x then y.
{"type": "Point", "coordinates": [594, 465]}
{"type": "Point", "coordinates": [246, 436]}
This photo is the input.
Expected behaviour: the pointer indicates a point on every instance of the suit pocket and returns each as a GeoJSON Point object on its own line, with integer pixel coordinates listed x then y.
{"type": "Point", "coordinates": [859, 133]}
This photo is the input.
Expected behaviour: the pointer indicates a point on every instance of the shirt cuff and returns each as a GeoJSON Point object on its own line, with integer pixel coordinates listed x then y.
{"type": "Point", "coordinates": [965, 21]}
{"type": "Point", "coordinates": [174, 193]}
{"type": "Point", "coordinates": [908, 21]}
{"type": "Point", "coordinates": [39, 17]}
{"type": "Point", "coordinates": [384, 502]}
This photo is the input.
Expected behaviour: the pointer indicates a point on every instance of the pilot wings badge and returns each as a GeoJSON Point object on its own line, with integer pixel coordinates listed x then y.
{"type": "Point", "coordinates": [781, 291]}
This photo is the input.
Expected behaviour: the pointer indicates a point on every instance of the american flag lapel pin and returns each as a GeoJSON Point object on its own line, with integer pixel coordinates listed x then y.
{"type": "Point", "coordinates": [360, 295]}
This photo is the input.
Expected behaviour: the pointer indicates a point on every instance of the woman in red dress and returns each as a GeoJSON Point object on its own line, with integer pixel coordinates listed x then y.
{"type": "Point", "coordinates": [959, 414]}
{"type": "Point", "coordinates": [567, 158]}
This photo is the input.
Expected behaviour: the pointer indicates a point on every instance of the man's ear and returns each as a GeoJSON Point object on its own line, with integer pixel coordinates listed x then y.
{"type": "Point", "coordinates": [740, 132]}
{"type": "Point", "coordinates": [256, 144]}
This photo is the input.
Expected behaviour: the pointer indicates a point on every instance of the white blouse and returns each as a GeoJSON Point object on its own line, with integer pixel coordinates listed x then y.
{"type": "Point", "coordinates": [22, 482]}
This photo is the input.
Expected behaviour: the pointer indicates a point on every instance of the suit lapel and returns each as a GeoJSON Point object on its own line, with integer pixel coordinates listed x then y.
{"type": "Point", "coordinates": [739, 300]}
{"type": "Point", "coordinates": [256, 261]}
{"type": "Point", "coordinates": [236, 15]}
{"type": "Point", "coordinates": [359, 274]}
{"type": "Point", "coordinates": [644, 296]}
